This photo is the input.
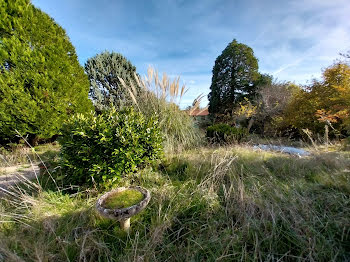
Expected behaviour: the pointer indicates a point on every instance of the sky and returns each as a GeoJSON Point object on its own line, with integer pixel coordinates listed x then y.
{"type": "Point", "coordinates": [292, 39]}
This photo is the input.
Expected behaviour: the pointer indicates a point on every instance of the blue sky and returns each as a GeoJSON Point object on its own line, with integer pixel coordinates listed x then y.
{"type": "Point", "coordinates": [293, 39]}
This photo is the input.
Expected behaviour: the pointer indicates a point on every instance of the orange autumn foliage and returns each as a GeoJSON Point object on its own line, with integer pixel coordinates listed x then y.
{"type": "Point", "coordinates": [323, 102]}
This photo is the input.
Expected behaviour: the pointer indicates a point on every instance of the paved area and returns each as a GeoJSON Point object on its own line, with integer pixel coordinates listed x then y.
{"type": "Point", "coordinates": [13, 175]}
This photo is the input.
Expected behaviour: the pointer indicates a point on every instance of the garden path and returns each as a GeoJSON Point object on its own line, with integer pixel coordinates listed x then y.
{"type": "Point", "coordinates": [13, 175]}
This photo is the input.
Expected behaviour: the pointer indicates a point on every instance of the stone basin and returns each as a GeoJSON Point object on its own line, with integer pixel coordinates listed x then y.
{"type": "Point", "coordinates": [124, 214]}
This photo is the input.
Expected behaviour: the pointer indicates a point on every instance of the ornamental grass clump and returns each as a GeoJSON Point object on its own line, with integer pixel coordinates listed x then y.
{"type": "Point", "coordinates": [162, 95]}
{"type": "Point", "coordinates": [101, 149]}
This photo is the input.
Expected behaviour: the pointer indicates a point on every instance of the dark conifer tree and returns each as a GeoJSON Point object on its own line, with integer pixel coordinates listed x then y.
{"type": "Point", "coordinates": [105, 72]}
{"type": "Point", "coordinates": [235, 76]}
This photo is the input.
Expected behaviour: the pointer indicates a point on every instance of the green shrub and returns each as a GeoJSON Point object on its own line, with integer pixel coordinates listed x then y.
{"type": "Point", "coordinates": [223, 133]}
{"type": "Point", "coordinates": [102, 148]}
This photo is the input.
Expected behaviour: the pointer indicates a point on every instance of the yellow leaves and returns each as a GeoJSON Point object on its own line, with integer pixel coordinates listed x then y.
{"type": "Point", "coordinates": [246, 109]}
{"type": "Point", "coordinates": [337, 75]}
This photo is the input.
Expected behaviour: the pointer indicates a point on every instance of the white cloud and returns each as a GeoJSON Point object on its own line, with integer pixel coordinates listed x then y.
{"type": "Point", "coordinates": [304, 37]}
{"type": "Point", "coordinates": [293, 39]}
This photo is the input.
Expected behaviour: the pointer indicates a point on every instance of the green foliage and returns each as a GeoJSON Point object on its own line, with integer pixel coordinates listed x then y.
{"type": "Point", "coordinates": [102, 148]}
{"type": "Point", "coordinates": [223, 133]}
{"type": "Point", "coordinates": [235, 76]}
{"type": "Point", "coordinates": [106, 72]}
{"type": "Point", "coordinates": [41, 81]}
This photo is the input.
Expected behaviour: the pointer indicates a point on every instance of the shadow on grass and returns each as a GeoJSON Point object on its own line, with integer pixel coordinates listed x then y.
{"type": "Point", "coordinates": [72, 236]}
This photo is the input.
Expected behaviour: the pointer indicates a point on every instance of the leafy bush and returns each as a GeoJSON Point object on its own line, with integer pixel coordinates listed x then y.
{"type": "Point", "coordinates": [223, 133]}
{"type": "Point", "coordinates": [102, 148]}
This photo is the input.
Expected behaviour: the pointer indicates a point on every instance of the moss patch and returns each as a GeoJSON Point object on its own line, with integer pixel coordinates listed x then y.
{"type": "Point", "coordinates": [123, 199]}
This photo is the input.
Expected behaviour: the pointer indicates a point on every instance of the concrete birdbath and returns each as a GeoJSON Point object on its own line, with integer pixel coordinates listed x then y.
{"type": "Point", "coordinates": [122, 203]}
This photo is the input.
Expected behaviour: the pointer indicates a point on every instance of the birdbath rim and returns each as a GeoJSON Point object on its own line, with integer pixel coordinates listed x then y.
{"type": "Point", "coordinates": [123, 214]}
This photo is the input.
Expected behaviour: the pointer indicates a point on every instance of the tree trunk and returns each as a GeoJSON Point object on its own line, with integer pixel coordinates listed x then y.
{"type": "Point", "coordinates": [250, 124]}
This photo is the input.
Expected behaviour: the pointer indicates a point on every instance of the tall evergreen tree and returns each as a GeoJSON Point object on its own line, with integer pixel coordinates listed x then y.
{"type": "Point", "coordinates": [41, 81]}
{"type": "Point", "coordinates": [105, 71]}
{"type": "Point", "coordinates": [235, 76]}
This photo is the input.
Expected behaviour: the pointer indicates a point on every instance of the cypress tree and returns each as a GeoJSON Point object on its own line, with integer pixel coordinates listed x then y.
{"type": "Point", "coordinates": [235, 76]}
{"type": "Point", "coordinates": [41, 81]}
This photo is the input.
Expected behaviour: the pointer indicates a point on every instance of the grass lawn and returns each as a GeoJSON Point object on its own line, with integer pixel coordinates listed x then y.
{"type": "Point", "coordinates": [208, 204]}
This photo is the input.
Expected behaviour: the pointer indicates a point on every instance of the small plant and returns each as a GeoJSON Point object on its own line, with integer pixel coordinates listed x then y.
{"type": "Point", "coordinates": [102, 148]}
{"type": "Point", "coordinates": [224, 133]}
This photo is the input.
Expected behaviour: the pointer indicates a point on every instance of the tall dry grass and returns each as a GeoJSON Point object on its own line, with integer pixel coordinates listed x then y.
{"type": "Point", "coordinates": [208, 204]}
{"type": "Point", "coordinates": [162, 95]}
{"type": "Point", "coordinates": [21, 154]}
